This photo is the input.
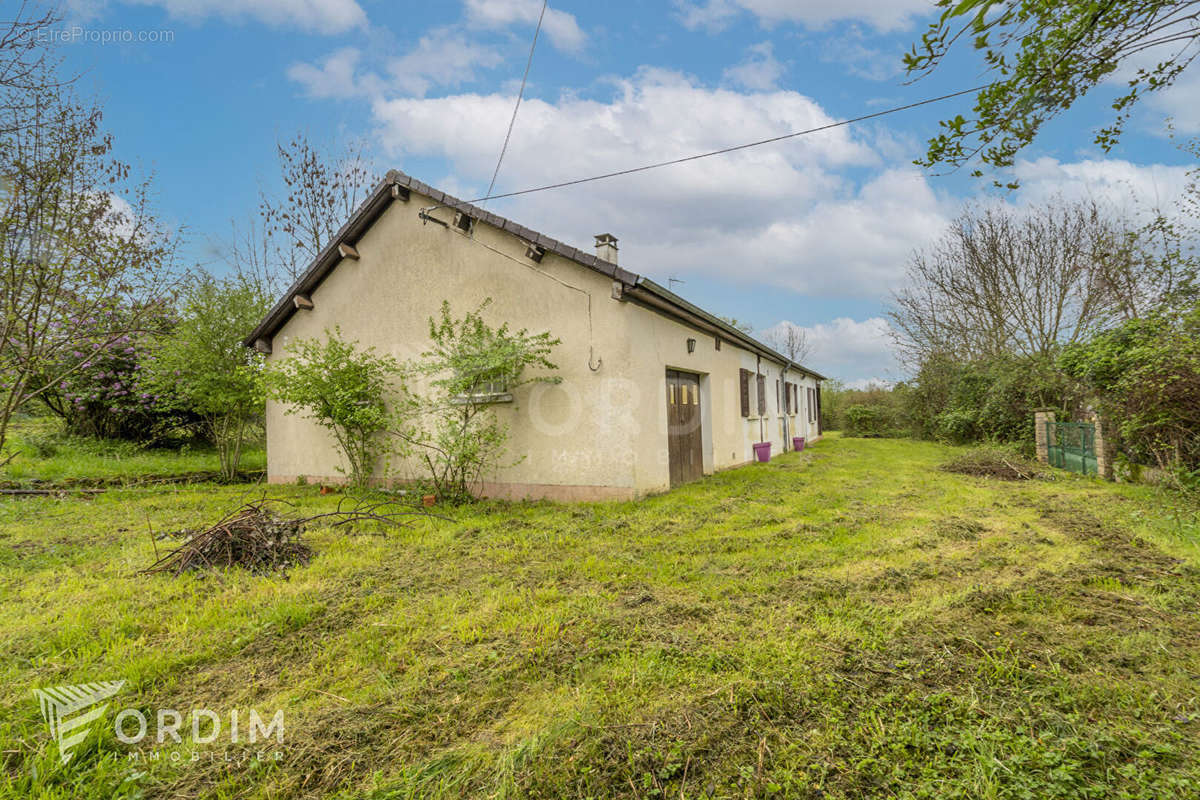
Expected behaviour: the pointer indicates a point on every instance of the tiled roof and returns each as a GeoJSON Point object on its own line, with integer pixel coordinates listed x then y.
{"type": "Point", "coordinates": [398, 183]}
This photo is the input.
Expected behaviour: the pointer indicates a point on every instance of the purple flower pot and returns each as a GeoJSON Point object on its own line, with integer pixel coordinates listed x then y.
{"type": "Point", "coordinates": [797, 443]}
{"type": "Point", "coordinates": [762, 452]}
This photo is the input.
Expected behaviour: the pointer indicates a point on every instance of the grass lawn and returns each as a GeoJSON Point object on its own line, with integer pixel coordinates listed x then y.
{"type": "Point", "coordinates": [849, 622]}
{"type": "Point", "coordinates": [44, 455]}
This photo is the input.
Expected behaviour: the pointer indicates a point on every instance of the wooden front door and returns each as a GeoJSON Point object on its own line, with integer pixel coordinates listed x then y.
{"type": "Point", "coordinates": [685, 448]}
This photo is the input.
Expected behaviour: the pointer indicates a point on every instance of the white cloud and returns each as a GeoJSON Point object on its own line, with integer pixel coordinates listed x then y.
{"type": "Point", "coordinates": [846, 348]}
{"type": "Point", "coordinates": [858, 58]}
{"type": "Point", "coordinates": [560, 27]}
{"type": "Point", "coordinates": [823, 215]}
{"type": "Point", "coordinates": [317, 16]}
{"type": "Point", "coordinates": [780, 215]}
{"type": "Point", "coordinates": [442, 57]}
{"type": "Point", "coordinates": [1180, 102]}
{"type": "Point", "coordinates": [1135, 189]}
{"type": "Point", "coordinates": [759, 72]}
{"type": "Point", "coordinates": [883, 15]}
{"type": "Point", "coordinates": [336, 76]}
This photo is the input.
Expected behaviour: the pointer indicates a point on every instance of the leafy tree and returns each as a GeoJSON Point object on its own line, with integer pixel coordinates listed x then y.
{"type": "Point", "coordinates": [202, 365]}
{"type": "Point", "coordinates": [471, 366]}
{"type": "Point", "coordinates": [1043, 56]}
{"type": "Point", "coordinates": [79, 268]}
{"type": "Point", "coordinates": [344, 389]}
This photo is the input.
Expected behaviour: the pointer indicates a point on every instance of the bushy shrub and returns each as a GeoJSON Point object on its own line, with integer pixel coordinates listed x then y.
{"type": "Point", "coordinates": [202, 365]}
{"type": "Point", "coordinates": [101, 391]}
{"type": "Point", "coordinates": [1145, 375]}
{"type": "Point", "coordinates": [870, 420]}
{"type": "Point", "coordinates": [957, 426]}
{"type": "Point", "coordinates": [883, 416]}
{"type": "Point", "coordinates": [986, 400]}
{"type": "Point", "coordinates": [345, 389]}
{"type": "Point", "coordinates": [456, 434]}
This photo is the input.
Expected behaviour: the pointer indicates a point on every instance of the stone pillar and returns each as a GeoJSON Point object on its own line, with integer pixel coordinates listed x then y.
{"type": "Point", "coordinates": [1040, 417]}
{"type": "Point", "coordinates": [1106, 447]}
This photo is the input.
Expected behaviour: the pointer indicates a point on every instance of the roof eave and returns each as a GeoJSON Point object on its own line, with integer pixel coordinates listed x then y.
{"type": "Point", "coordinates": [370, 210]}
{"type": "Point", "coordinates": [381, 197]}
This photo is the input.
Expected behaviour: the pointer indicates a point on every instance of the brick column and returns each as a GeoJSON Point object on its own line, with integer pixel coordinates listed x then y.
{"type": "Point", "coordinates": [1106, 448]}
{"type": "Point", "coordinates": [1040, 417]}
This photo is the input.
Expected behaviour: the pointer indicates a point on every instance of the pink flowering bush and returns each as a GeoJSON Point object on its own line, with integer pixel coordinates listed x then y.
{"type": "Point", "coordinates": [103, 393]}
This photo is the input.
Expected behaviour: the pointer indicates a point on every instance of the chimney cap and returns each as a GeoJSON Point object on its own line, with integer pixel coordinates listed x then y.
{"type": "Point", "coordinates": [606, 238]}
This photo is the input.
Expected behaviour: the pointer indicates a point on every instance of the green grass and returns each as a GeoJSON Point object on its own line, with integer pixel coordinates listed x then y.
{"type": "Point", "coordinates": [849, 622]}
{"type": "Point", "coordinates": [45, 455]}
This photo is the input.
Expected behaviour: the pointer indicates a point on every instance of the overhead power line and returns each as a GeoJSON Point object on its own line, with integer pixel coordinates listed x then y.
{"type": "Point", "coordinates": [520, 95]}
{"type": "Point", "coordinates": [657, 165]}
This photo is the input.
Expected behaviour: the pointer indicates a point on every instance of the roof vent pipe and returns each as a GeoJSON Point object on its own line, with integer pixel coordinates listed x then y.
{"type": "Point", "coordinates": [606, 247]}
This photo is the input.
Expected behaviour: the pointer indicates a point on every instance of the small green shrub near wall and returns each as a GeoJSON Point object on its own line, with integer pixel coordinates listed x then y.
{"type": "Point", "coordinates": [870, 420]}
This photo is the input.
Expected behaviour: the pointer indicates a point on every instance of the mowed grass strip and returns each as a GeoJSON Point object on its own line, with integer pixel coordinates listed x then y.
{"type": "Point", "coordinates": [846, 622]}
{"type": "Point", "coordinates": [44, 456]}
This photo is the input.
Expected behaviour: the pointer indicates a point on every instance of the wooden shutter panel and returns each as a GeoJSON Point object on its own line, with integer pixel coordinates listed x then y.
{"type": "Point", "coordinates": [818, 393]}
{"type": "Point", "coordinates": [762, 394]}
{"type": "Point", "coordinates": [744, 380]}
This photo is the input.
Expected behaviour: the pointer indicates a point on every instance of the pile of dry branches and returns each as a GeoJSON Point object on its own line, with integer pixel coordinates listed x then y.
{"type": "Point", "coordinates": [994, 462]}
{"type": "Point", "coordinates": [260, 538]}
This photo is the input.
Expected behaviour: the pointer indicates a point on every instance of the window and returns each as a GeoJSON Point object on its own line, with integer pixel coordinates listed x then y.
{"type": "Point", "coordinates": [495, 387]}
{"type": "Point", "coordinates": [744, 381]}
{"type": "Point", "coordinates": [811, 404]}
{"type": "Point", "coordinates": [493, 390]}
{"type": "Point", "coordinates": [762, 394]}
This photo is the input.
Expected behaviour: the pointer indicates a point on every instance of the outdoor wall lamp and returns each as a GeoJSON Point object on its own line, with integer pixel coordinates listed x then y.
{"type": "Point", "coordinates": [691, 345]}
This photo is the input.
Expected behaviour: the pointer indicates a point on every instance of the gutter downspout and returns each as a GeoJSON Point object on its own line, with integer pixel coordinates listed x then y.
{"type": "Point", "coordinates": [762, 403]}
{"type": "Point", "coordinates": [786, 400]}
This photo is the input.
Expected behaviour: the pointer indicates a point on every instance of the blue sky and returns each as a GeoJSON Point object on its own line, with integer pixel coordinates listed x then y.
{"type": "Point", "coordinates": [814, 231]}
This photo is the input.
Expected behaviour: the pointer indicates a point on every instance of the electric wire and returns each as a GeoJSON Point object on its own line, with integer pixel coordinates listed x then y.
{"type": "Point", "coordinates": [520, 95]}
{"type": "Point", "coordinates": [722, 151]}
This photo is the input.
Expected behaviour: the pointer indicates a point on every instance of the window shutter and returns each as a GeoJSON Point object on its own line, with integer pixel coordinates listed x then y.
{"type": "Point", "coordinates": [778, 405]}
{"type": "Point", "coordinates": [744, 380]}
{"type": "Point", "coordinates": [762, 394]}
{"type": "Point", "coordinates": [818, 393]}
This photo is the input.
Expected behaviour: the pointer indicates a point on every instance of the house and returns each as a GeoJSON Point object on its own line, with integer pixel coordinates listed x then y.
{"type": "Point", "coordinates": [654, 390]}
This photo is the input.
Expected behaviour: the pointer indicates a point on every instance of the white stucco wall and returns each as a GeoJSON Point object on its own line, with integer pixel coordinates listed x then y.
{"type": "Point", "coordinates": [600, 433]}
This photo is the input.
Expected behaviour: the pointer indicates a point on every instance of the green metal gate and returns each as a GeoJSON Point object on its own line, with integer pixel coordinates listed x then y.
{"type": "Point", "coordinates": [1072, 445]}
